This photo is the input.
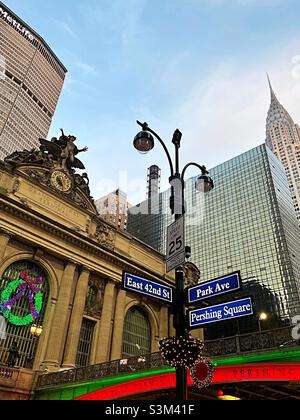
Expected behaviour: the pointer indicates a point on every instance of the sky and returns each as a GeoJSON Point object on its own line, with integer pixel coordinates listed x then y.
{"type": "Point", "coordinates": [196, 65]}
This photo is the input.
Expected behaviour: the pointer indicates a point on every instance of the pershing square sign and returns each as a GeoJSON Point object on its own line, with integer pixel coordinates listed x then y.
{"type": "Point", "coordinates": [223, 312]}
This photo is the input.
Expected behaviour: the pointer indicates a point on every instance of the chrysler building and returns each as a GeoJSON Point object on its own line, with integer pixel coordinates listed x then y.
{"type": "Point", "coordinates": [283, 138]}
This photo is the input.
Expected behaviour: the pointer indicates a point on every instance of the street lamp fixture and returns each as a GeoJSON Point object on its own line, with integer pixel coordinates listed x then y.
{"type": "Point", "coordinates": [36, 330]}
{"type": "Point", "coordinates": [144, 142]}
{"type": "Point", "coordinates": [263, 316]}
{"type": "Point", "coordinates": [204, 184]}
{"type": "Point", "coordinates": [188, 252]}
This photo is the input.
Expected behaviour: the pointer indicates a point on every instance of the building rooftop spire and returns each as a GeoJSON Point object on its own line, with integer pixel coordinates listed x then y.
{"type": "Point", "coordinates": [273, 96]}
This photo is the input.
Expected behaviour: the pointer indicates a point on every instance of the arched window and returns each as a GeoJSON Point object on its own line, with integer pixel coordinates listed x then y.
{"type": "Point", "coordinates": [20, 296]}
{"type": "Point", "coordinates": [137, 333]}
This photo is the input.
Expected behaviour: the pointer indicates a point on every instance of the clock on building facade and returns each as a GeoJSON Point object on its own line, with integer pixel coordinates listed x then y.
{"type": "Point", "coordinates": [61, 181]}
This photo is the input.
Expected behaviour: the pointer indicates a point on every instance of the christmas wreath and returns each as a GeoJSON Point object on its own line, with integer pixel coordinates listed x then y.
{"type": "Point", "coordinates": [202, 373]}
{"type": "Point", "coordinates": [35, 297]}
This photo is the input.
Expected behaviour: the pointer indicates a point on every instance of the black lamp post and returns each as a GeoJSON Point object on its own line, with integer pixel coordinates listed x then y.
{"type": "Point", "coordinates": [144, 143]}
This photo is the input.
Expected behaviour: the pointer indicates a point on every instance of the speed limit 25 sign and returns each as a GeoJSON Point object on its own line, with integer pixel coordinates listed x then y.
{"type": "Point", "coordinates": [175, 245]}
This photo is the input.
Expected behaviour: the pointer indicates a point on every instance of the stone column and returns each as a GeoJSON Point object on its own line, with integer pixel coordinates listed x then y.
{"type": "Point", "coordinates": [164, 322]}
{"type": "Point", "coordinates": [76, 319]}
{"type": "Point", "coordinates": [59, 323]}
{"type": "Point", "coordinates": [103, 339]}
{"type": "Point", "coordinates": [116, 351]}
{"type": "Point", "coordinates": [4, 240]}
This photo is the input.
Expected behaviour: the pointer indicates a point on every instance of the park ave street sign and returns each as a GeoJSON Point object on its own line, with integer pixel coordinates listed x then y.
{"type": "Point", "coordinates": [214, 288]}
{"type": "Point", "coordinates": [175, 245]}
{"type": "Point", "coordinates": [147, 287]}
{"type": "Point", "coordinates": [224, 312]}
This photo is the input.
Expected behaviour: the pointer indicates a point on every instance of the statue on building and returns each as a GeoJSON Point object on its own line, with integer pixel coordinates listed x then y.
{"type": "Point", "coordinates": [60, 152]}
{"type": "Point", "coordinates": [54, 165]}
{"type": "Point", "coordinates": [13, 355]}
{"type": "Point", "coordinates": [64, 151]}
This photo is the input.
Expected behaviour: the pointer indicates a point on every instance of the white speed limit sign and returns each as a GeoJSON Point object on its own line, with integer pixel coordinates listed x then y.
{"type": "Point", "coordinates": [175, 245]}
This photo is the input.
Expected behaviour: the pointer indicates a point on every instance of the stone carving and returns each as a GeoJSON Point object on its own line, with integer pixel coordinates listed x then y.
{"type": "Point", "coordinates": [191, 274]}
{"type": "Point", "coordinates": [88, 225]}
{"type": "Point", "coordinates": [58, 158]}
{"type": "Point", "coordinates": [95, 296]}
{"type": "Point", "coordinates": [16, 186]}
{"type": "Point", "coordinates": [41, 176]}
{"type": "Point", "coordinates": [33, 156]}
{"type": "Point", "coordinates": [83, 182]}
{"type": "Point", "coordinates": [104, 235]}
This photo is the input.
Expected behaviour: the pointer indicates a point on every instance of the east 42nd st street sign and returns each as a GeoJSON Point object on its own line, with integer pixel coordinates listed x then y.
{"type": "Point", "coordinates": [147, 287]}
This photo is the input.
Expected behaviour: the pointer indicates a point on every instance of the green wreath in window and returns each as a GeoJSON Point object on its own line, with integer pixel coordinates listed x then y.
{"type": "Point", "coordinates": [35, 297]}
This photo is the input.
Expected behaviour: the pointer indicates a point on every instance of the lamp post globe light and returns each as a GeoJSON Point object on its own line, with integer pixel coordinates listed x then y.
{"type": "Point", "coordinates": [262, 317]}
{"type": "Point", "coordinates": [144, 142]}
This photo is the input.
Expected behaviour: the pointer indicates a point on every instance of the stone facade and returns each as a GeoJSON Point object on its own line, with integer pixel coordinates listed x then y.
{"type": "Point", "coordinates": [76, 249]}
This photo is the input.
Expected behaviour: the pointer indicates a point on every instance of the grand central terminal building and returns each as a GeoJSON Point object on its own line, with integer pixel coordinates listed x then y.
{"type": "Point", "coordinates": [61, 270]}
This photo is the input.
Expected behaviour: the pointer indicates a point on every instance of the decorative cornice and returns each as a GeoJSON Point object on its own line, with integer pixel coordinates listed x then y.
{"type": "Point", "coordinates": [6, 233]}
{"type": "Point", "coordinates": [69, 261]}
{"type": "Point", "coordinates": [9, 206]}
{"type": "Point", "coordinates": [85, 268]}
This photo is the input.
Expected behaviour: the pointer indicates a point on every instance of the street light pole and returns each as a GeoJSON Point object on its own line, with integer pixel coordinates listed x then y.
{"type": "Point", "coordinates": [144, 142]}
{"type": "Point", "coordinates": [179, 310]}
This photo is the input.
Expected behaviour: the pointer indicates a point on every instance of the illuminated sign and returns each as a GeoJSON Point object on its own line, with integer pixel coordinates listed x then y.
{"type": "Point", "coordinates": [17, 25]}
{"type": "Point", "coordinates": [269, 372]}
{"type": "Point", "coordinates": [285, 372]}
{"type": "Point", "coordinates": [139, 386]}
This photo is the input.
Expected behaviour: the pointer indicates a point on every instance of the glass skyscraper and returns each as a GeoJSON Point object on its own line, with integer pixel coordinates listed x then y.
{"type": "Point", "coordinates": [246, 223]}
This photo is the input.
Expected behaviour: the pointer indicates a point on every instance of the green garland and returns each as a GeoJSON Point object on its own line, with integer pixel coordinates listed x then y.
{"type": "Point", "coordinates": [5, 297]}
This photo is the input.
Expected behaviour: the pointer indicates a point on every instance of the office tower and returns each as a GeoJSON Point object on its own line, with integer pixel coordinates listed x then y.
{"type": "Point", "coordinates": [283, 138]}
{"type": "Point", "coordinates": [114, 208]}
{"type": "Point", "coordinates": [246, 223]}
{"type": "Point", "coordinates": [31, 79]}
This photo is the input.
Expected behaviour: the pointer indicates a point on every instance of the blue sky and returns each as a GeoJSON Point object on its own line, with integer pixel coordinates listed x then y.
{"type": "Point", "coordinates": [196, 65]}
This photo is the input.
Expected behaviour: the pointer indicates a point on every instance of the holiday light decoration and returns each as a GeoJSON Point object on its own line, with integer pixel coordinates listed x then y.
{"type": "Point", "coordinates": [202, 373]}
{"type": "Point", "coordinates": [20, 286]}
{"type": "Point", "coordinates": [141, 383]}
{"type": "Point", "coordinates": [181, 351]}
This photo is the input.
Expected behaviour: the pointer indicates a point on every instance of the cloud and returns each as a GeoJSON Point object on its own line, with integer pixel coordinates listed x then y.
{"type": "Point", "coordinates": [247, 3]}
{"type": "Point", "coordinates": [86, 68]}
{"type": "Point", "coordinates": [69, 83]}
{"type": "Point", "coordinates": [67, 28]}
{"type": "Point", "coordinates": [220, 116]}
{"type": "Point", "coordinates": [225, 114]}
{"type": "Point", "coordinates": [260, 2]}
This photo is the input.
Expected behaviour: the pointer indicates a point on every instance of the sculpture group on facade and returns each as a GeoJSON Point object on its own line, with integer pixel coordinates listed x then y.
{"type": "Point", "coordinates": [60, 152]}
{"type": "Point", "coordinates": [54, 165]}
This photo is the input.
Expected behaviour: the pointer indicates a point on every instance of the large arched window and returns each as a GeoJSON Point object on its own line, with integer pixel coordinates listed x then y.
{"type": "Point", "coordinates": [137, 333]}
{"type": "Point", "coordinates": [18, 297]}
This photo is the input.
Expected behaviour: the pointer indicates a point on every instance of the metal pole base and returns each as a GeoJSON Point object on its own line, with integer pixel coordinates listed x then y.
{"type": "Point", "coordinates": [181, 384]}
